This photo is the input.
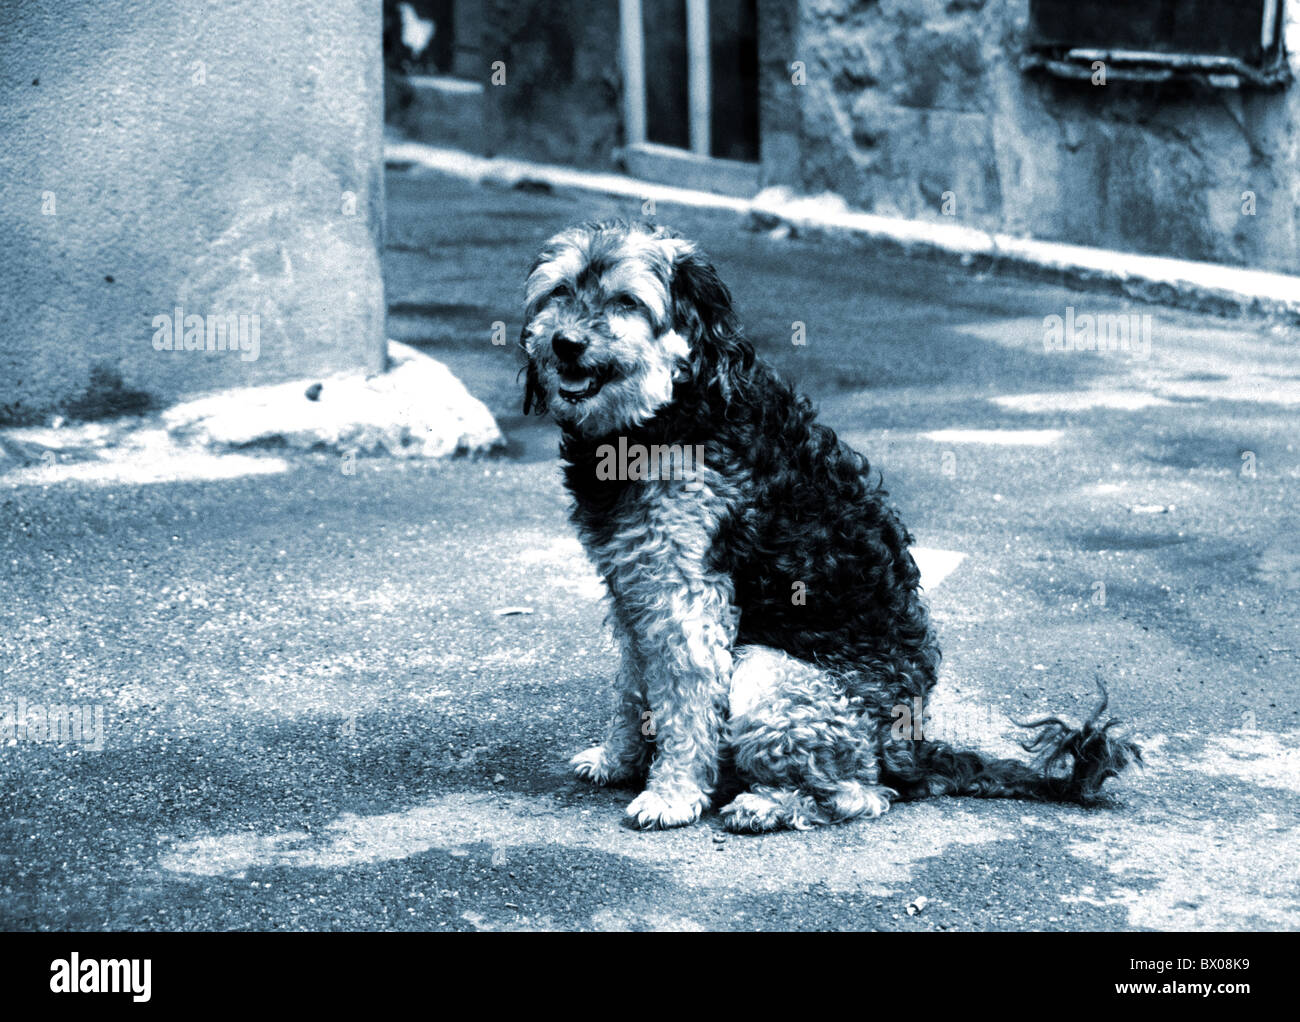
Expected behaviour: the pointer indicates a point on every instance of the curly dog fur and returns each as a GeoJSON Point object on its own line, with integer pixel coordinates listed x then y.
{"type": "Point", "coordinates": [632, 344]}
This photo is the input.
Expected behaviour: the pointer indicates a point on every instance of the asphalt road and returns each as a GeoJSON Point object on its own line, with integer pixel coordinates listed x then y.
{"type": "Point", "coordinates": [316, 715]}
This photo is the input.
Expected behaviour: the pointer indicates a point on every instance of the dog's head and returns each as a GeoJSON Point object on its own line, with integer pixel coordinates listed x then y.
{"type": "Point", "coordinates": [620, 319]}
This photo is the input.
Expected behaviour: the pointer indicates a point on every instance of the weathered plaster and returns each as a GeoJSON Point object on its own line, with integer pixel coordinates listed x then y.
{"type": "Point", "coordinates": [909, 99]}
{"type": "Point", "coordinates": [221, 154]}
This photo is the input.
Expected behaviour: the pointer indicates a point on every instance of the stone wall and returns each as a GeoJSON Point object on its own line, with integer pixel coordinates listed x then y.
{"type": "Point", "coordinates": [556, 96]}
{"type": "Point", "coordinates": [561, 100]}
{"type": "Point", "coordinates": [223, 156]}
{"type": "Point", "coordinates": [906, 100]}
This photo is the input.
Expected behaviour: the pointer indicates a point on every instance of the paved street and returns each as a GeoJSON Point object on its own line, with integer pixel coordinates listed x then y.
{"type": "Point", "coordinates": [316, 715]}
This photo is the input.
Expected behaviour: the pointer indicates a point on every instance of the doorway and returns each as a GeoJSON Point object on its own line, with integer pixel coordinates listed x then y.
{"type": "Point", "coordinates": [691, 105]}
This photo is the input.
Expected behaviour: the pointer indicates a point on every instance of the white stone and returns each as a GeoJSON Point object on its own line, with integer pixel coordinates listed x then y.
{"type": "Point", "coordinates": [418, 408]}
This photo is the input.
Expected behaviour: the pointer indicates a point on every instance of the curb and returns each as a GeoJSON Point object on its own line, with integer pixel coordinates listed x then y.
{"type": "Point", "coordinates": [1203, 287]}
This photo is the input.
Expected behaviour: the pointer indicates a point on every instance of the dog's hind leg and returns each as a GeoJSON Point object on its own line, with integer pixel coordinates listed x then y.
{"type": "Point", "coordinates": [801, 744]}
{"type": "Point", "coordinates": [764, 808]}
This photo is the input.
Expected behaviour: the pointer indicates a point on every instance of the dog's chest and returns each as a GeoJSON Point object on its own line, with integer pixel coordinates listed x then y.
{"type": "Point", "coordinates": [655, 532]}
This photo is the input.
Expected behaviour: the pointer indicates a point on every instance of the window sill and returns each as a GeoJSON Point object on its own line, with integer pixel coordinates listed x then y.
{"type": "Point", "coordinates": [1138, 66]}
{"type": "Point", "coordinates": [680, 167]}
{"type": "Point", "coordinates": [446, 84]}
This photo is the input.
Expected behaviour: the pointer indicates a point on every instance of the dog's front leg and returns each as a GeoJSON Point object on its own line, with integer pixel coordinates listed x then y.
{"type": "Point", "coordinates": [623, 753]}
{"type": "Point", "coordinates": [687, 670]}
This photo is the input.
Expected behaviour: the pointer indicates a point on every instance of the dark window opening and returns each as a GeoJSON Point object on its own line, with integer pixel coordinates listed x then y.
{"type": "Point", "coordinates": [733, 54]}
{"type": "Point", "coordinates": [433, 37]}
{"type": "Point", "coordinates": [667, 103]}
{"type": "Point", "coordinates": [1223, 42]}
{"type": "Point", "coordinates": [721, 61]}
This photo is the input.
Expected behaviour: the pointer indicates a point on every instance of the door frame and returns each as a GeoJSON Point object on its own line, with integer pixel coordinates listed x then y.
{"type": "Point", "coordinates": [693, 167]}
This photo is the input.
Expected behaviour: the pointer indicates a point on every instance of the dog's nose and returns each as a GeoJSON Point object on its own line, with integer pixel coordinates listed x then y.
{"type": "Point", "coordinates": [566, 348]}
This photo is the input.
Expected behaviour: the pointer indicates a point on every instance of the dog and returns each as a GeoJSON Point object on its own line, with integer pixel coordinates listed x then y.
{"type": "Point", "coordinates": [765, 604]}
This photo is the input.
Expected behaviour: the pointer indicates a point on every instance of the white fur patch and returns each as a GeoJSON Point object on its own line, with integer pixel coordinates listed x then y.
{"type": "Point", "coordinates": [746, 690]}
{"type": "Point", "coordinates": [637, 279]}
{"type": "Point", "coordinates": [566, 265]}
{"type": "Point", "coordinates": [756, 675]}
{"type": "Point", "coordinates": [675, 344]}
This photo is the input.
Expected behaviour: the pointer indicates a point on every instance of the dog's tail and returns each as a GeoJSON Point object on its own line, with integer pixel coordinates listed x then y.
{"type": "Point", "coordinates": [1068, 765]}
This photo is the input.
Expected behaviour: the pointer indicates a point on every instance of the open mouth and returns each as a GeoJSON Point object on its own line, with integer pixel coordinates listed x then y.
{"type": "Point", "coordinates": [579, 386]}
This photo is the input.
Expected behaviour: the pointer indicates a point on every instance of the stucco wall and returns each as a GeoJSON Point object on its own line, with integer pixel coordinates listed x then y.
{"type": "Point", "coordinates": [908, 99]}
{"type": "Point", "coordinates": [220, 155]}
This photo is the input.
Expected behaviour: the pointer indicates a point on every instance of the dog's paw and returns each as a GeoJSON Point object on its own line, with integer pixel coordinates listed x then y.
{"type": "Point", "coordinates": [752, 814]}
{"type": "Point", "coordinates": [596, 766]}
{"type": "Point", "coordinates": [850, 799]}
{"type": "Point", "coordinates": [653, 811]}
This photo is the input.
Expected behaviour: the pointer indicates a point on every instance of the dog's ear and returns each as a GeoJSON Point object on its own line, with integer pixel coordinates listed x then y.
{"type": "Point", "coordinates": [534, 392]}
{"type": "Point", "coordinates": [702, 311]}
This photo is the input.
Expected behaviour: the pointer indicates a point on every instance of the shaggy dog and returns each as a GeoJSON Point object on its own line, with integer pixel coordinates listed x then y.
{"type": "Point", "coordinates": [762, 594]}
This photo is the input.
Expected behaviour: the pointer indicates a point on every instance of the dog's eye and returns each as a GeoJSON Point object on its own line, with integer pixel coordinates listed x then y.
{"type": "Point", "coordinates": [560, 293]}
{"type": "Point", "coordinates": [626, 303]}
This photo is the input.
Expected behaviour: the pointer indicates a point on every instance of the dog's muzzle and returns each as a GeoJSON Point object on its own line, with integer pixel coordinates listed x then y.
{"type": "Point", "coordinates": [577, 385]}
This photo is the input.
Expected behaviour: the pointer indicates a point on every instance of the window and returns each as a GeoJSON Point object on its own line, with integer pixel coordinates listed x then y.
{"type": "Point", "coordinates": [434, 42]}
{"type": "Point", "coordinates": [1225, 42]}
{"type": "Point", "coordinates": [691, 91]}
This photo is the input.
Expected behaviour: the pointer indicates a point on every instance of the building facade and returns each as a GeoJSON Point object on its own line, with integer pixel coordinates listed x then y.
{"type": "Point", "coordinates": [1168, 127]}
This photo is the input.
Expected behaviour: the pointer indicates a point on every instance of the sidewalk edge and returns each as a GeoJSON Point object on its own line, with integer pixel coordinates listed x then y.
{"type": "Point", "coordinates": [1205, 287]}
